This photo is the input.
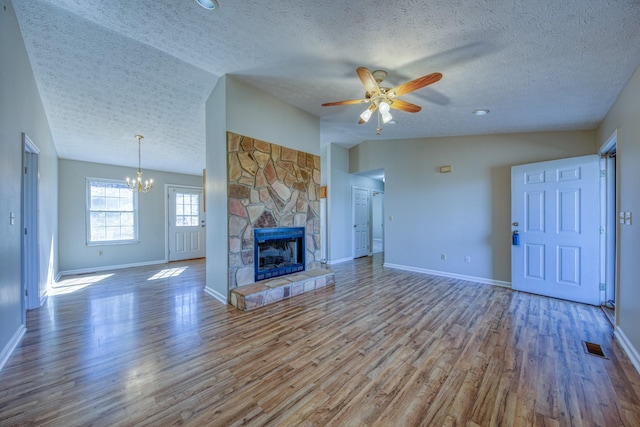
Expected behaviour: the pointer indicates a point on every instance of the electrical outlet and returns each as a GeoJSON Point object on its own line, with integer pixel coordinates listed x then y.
{"type": "Point", "coordinates": [443, 257]}
{"type": "Point", "coordinates": [467, 259]}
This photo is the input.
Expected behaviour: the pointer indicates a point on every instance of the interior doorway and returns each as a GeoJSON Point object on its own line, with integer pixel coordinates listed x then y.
{"type": "Point", "coordinates": [29, 220]}
{"type": "Point", "coordinates": [377, 221]}
{"type": "Point", "coordinates": [360, 200]}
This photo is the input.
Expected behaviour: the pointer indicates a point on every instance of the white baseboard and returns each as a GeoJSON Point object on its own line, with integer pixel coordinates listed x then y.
{"type": "Point", "coordinates": [8, 350]}
{"type": "Point", "coordinates": [108, 267]}
{"type": "Point", "coordinates": [217, 295]}
{"type": "Point", "coordinates": [628, 348]}
{"type": "Point", "coordinates": [339, 261]}
{"type": "Point", "coordinates": [450, 275]}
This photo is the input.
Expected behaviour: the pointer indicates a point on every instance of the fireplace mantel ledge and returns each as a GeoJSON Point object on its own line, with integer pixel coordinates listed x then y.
{"type": "Point", "coordinates": [268, 291]}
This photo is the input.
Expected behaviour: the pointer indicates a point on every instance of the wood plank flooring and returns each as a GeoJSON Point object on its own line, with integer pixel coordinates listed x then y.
{"type": "Point", "coordinates": [382, 347]}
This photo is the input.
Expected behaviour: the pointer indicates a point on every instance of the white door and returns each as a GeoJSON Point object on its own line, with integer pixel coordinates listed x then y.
{"type": "Point", "coordinates": [555, 210]}
{"type": "Point", "coordinates": [186, 223]}
{"type": "Point", "coordinates": [360, 222]}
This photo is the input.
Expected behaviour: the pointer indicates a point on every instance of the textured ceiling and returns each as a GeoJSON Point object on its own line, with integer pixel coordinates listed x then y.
{"type": "Point", "coordinates": [109, 70]}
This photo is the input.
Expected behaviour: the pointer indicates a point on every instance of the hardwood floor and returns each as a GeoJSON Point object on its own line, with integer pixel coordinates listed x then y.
{"type": "Point", "coordinates": [383, 347]}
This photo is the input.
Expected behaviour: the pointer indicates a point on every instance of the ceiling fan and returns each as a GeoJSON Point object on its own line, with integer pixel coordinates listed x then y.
{"type": "Point", "coordinates": [383, 98]}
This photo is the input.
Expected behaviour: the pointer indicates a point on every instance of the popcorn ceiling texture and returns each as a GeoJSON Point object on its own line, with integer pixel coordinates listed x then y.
{"type": "Point", "coordinates": [108, 70]}
{"type": "Point", "coordinates": [269, 186]}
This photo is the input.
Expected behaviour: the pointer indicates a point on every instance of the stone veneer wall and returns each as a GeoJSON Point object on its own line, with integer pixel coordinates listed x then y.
{"type": "Point", "coordinates": [269, 186]}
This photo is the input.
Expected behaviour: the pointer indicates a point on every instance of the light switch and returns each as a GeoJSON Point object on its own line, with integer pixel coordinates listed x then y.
{"type": "Point", "coordinates": [627, 218]}
{"type": "Point", "coordinates": [12, 218]}
{"type": "Point", "coordinates": [621, 218]}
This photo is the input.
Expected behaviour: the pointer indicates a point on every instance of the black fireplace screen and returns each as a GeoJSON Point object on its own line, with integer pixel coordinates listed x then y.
{"type": "Point", "coordinates": [278, 251]}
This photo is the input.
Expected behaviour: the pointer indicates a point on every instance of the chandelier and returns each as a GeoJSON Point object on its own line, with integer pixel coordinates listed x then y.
{"type": "Point", "coordinates": [136, 184]}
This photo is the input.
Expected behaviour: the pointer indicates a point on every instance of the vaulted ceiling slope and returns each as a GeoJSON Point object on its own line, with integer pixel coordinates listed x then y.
{"type": "Point", "coordinates": [108, 70]}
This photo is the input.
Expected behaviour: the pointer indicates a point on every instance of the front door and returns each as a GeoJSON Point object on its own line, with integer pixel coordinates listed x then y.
{"type": "Point", "coordinates": [360, 222]}
{"type": "Point", "coordinates": [186, 223]}
{"type": "Point", "coordinates": [555, 212]}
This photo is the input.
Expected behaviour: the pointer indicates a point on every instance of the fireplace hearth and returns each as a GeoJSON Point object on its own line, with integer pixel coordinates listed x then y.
{"type": "Point", "coordinates": [278, 251]}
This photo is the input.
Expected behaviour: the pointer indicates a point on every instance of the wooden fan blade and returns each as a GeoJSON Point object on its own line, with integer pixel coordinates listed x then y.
{"type": "Point", "coordinates": [368, 81]}
{"type": "Point", "coordinates": [401, 105]}
{"type": "Point", "coordinates": [348, 102]}
{"type": "Point", "coordinates": [414, 84]}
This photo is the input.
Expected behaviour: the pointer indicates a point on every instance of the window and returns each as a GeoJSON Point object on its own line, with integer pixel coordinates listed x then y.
{"type": "Point", "coordinates": [112, 214]}
{"type": "Point", "coordinates": [187, 210]}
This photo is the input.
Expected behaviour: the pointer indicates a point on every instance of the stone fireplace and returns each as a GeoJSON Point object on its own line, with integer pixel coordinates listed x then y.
{"type": "Point", "coordinates": [269, 187]}
{"type": "Point", "coordinates": [278, 251]}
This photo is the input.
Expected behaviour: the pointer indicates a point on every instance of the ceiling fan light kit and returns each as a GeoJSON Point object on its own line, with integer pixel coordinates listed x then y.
{"type": "Point", "coordinates": [383, 99]}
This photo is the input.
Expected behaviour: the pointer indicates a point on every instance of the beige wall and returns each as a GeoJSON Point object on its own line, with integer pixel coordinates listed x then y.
{"type": "Point", "coordinates": [21, 110]}
{"type": "Point", "coordinates": [240, 108]}
{"type": "Point", "coordinates": [75, 254]}
{"type": "Point", "coordinates": [462, 213]}
{"type": "Point", "coordinates": [625, 117]}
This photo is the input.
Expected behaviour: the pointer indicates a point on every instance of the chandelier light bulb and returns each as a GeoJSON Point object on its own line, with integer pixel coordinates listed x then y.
{"type": "Point", "coordinates": [384, 108]}
{"type": "Point", "coordinates": [386, 117]}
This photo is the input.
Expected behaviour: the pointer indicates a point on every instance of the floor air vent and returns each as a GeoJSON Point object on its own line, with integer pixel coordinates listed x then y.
{"type": "Point", "coordinates": [594, 349]}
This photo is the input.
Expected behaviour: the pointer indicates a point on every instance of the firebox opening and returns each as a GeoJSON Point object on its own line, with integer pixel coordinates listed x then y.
{"type": "Point", "coordinates": [278, 251]}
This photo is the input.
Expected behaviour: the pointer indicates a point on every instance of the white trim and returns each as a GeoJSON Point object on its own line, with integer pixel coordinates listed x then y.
{"type": "Point", "coordinates": [108, 267]}
{"type": "Point", "coordinates": [603, 227]}
{"type": "Point", "coordinates": [30, 214]}
{"type": "Point", "coordinates": [609, 143]}
{"type": "Point", "coordinates": [8, 350]}
{"type": "Point", "coordinates": [450, 275]}
{"type": "Point", "coordinates": [215, 294]}
{"type": "Point", "coordinates": [123, 184]}
{"type": "Point", "coordinates": [628, 348]}
{"type": "Point", "coordinates": [339, 261]}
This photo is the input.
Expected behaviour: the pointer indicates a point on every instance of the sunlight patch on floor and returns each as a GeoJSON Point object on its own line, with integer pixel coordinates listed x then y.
{"type": "Point", "coordinates": [168, 272]}
{"type": "Point", "coordinates": [76, 283]}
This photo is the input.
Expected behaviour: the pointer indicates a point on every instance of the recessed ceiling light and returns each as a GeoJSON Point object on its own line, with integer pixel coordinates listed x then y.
{"type": "Point", "coordinates": [480, 112]}
{"type": "Point", "coordinates": [392, 122]}
{"type": "Point", "coordinates": [208, 4]}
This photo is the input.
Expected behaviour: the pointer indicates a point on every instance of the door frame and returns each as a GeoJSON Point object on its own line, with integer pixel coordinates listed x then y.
{"type": "Point", "coordinates": [30, 252]}
{"type": "Point", "coordinates": [609, 243]}
{"type": "Point", "coordinates": [373, 194]}
{"type": "Point", "coordinates": [167, 198]}
{"type": "Point", "coordinates": [353, 220]}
